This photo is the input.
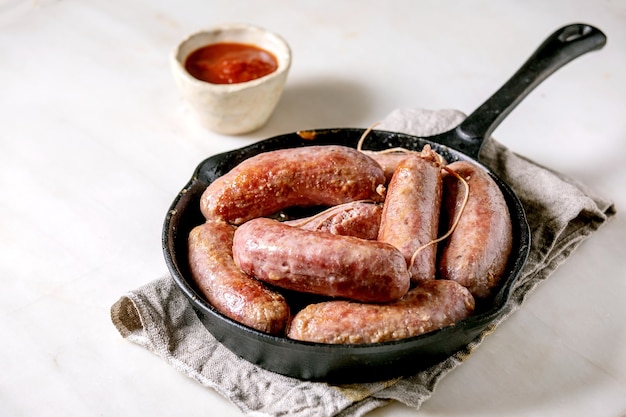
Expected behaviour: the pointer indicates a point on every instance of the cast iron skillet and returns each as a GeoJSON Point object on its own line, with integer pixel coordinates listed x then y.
{"type": "Point", "coordinates": [351, 363]}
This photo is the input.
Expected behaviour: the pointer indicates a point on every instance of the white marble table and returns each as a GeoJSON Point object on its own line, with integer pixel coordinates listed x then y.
{"type": "Point", "coordinates": [95, 143]}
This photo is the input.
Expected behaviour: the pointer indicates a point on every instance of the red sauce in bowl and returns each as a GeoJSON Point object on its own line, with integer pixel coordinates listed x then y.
{"type": "Point", "coordinates": [230, 63]}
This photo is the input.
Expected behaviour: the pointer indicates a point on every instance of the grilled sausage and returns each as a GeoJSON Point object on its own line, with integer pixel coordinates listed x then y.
{"type": "Point", "coordinates": [229, 290]}
{"type": "Point", "coordinates": [429, 306]}
{"type": "Point", "coordinates": [305, 176]}
{"type": "Point", "coordinates": [477, 252]}
{"type": "Point", "coordinates": [319, 262]}
{"type": "Point", "coordinates": [411, 211]}
{"type": "Point", "coordinates": [358, 219]}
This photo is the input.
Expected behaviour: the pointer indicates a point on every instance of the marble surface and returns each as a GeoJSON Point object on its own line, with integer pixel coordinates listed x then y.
{"type": "Point", "coordinates": [95, 142]}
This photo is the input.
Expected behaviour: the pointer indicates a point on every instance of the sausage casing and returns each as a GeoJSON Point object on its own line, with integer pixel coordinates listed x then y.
{"type": "Point", "coordinates": [307, 176]}
{"type": "Point", "coordinates": [411, 211]}
{"type": "Point", "coordinates": [389, 160]}
{"type": "Point", "coordinates": [477, 252]}
{"type": "Point", "coordinates": [429, 306]}
{"type": "Point", "coordinates": [319, 262]}
{"type": "Point", "coordinates": [229, 290]}
{"type": "Point", "coordinates": [358, 219]}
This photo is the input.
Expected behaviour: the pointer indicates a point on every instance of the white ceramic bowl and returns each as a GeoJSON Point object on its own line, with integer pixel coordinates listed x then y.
{"type": "Point", "coordinates": [232, 108]}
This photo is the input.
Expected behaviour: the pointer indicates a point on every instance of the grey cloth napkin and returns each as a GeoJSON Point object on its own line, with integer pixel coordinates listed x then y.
{"type": "Point", "coordinates": [562, 213]}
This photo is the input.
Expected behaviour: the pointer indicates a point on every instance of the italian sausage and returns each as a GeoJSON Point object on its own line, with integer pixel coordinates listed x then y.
{"type": "Point", "coordinates": [411, 211]}
{"type": "Point", "coordinates": [429, 306]}
{"type": "Point", "coordinates": [389, 160]}
{"type": "Point", "coordinates": [358, 219]}
{"type": "Point", "coordinates": [230, 291]}
{"type": "Point", "coordinates": [319, 262]}
{"type": "Point", "coordinates": [477, 252]}
{"type": "Point", "coordinates": [305, 176]}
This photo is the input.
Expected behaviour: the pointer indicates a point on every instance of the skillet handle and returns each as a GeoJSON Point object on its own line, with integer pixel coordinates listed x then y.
{"type": "Point", "coordinates": [558, 49]}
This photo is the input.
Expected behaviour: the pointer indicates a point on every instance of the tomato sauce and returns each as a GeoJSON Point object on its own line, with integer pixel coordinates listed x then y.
{"type": "Point", "coordinates": [230, 63]}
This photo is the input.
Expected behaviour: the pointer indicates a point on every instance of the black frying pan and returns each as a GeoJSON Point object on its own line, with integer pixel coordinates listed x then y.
{"type": "Point", "coordinates": [351, 363]}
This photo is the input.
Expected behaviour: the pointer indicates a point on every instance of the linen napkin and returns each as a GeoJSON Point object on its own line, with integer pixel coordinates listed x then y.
{"type": "Point", "coordinates": [562, 213]}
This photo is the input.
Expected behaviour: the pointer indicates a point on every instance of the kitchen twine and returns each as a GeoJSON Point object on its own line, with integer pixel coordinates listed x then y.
{"type": "Point", "coordinates": [562, 213]}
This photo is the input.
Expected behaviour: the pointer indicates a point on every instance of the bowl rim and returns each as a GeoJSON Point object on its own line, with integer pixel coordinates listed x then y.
{"type": "Point", "coordinates": [282, 52]}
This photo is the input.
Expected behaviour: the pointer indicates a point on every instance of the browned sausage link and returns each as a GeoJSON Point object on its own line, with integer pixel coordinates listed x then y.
{"type": "Point", "coordinates": [358, 219]}
{"type": "Point", "coordinates": [429, 306]}
{"type": "Point", "coordinates": [411, 214]}
{"type": "Point", "coordinates": [476, 253]}
{"type": "Point", "coordinates": [390, 159]}
{"type": "Point", "coordinates": [320, 262]}
{"type": "Point", "coordinates": [387, 160]}
{"type": "Point", "coordinates": [306, 176]}
{"type": "Point", "coordinates": [229, 290]}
